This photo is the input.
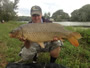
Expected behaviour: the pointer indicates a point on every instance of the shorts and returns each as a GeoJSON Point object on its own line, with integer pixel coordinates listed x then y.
{"type": "Point", "coordinates": [29, 53]}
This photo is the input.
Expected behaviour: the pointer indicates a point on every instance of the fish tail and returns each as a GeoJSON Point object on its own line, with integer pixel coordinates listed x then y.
{"type": "Point", "coordinates": [73, 41]}
{"type": "Point", "coordinates": [76, 35]}
{"type": "Point", "coordinates": [73, 38]}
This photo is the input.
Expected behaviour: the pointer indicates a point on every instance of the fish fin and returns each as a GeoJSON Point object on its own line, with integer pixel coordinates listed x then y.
{"type": "Point", "coordinates": [76, 35]}
{"type": "Point", "coordinates": [61, 39]}
{"type": "Point", "coordinates": [41, 44]}
{"type": "Point", "coordinates": [73, 41]}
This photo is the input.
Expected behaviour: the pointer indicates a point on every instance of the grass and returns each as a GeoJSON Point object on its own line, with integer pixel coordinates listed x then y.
{"type": "Point", "coordinates": [70, 56]}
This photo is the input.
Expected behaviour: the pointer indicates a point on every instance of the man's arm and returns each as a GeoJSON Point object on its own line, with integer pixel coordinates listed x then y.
{"type": "Point", "coordinates": [27, 44]}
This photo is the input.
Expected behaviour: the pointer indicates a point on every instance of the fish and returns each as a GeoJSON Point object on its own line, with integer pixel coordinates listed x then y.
{"type": "Point", "coordinates": [45, 32]}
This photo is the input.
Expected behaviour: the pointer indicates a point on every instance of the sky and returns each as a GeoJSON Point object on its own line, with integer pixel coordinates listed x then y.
{"type": "Point", "coordinates": [51, 6]}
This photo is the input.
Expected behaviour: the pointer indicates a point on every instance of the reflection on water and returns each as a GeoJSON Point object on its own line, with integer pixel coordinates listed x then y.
{"type": "Point", "coordinates": [74, 23]}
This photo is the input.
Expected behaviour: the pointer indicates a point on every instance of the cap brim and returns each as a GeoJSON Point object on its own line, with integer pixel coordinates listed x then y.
{"type": "Point", "coordinates": [37, 13]}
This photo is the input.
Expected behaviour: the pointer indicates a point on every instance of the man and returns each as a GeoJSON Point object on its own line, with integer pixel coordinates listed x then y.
{"type": "Point", "coordinates": [31, 48]}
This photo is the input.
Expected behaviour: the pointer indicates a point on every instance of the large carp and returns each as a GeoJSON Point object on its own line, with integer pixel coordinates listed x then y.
{"type": "Point", "coordinates": [40, 33]}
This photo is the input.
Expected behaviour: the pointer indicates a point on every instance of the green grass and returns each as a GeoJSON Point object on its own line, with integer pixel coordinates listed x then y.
{"type": "Point", "coordinates": [70, 56]}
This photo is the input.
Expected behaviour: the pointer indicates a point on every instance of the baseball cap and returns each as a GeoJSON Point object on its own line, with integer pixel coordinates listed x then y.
{"type": "Point", "coordinates": [36, 10]}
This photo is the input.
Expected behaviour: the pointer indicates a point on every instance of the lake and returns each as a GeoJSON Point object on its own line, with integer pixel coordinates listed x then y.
{"type": "Point", "coordinates": [86, 24]}
{"type": "Point", "coordinates": [74, 23]}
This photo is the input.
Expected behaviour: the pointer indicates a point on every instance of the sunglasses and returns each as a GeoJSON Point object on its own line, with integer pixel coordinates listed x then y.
{"type": "Point", "coordinates": [35, 15]}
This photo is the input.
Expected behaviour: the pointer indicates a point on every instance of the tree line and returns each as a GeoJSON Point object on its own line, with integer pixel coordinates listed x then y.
{"type": "Point", "coordinates": [8, 12]}
{"type": "Point", "coordinates": [82, 14]}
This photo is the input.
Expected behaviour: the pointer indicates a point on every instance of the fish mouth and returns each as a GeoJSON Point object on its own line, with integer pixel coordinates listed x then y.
{"type": "Point", "coordinates": [12, 36]}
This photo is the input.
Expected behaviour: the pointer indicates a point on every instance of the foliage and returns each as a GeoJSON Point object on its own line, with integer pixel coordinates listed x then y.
{"type": "Point", "coordinates": [70, 56]}
{"type": "Point", "coordinates": [7, 9]}
{"type": "Point", "coordinates": [59, 15]}
{"type": "Point", "coordinates": [24, 18]}
{"type": "Point", "coordinates": [82, 14]}
{"type": "Point", "coordinates": [47, 15]}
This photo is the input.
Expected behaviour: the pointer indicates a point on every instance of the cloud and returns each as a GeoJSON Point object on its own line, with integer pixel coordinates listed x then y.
{"type": "Point", "coordinates": [23, 12]}
{"type": "Point", "coordinates": [51, 6]}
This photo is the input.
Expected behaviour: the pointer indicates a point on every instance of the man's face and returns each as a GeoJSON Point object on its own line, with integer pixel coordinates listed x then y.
{"type": "Point", "coordinates": [36, 18]}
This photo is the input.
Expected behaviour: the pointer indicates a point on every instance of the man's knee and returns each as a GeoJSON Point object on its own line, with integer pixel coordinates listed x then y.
{"type": "Point", "coordinates": [27, 54]}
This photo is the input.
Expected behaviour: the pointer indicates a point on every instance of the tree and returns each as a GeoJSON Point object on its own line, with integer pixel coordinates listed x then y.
{"type": "Point", "coordinates": [24, 18]}
{"type": "Point", "coordinates": [60, 16]}
{"type": "Point", "coordinates": [82, 14]}
{"type": "Point", "coordinates": [7, 9]}
{"type": "Point", "coordinates": [75, 15]}
{"type": "Point", "coordinates": [47, 15]}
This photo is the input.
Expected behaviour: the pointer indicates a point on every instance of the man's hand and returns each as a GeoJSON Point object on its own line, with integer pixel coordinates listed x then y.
{"type": "Point", "coordinates": [55, 39]}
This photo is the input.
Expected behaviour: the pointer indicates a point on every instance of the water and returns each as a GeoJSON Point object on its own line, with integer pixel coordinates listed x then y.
{"type": "Point", "coordinates": [87, 24]}
{"type": "Point", "coordinates": [74, 23]}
